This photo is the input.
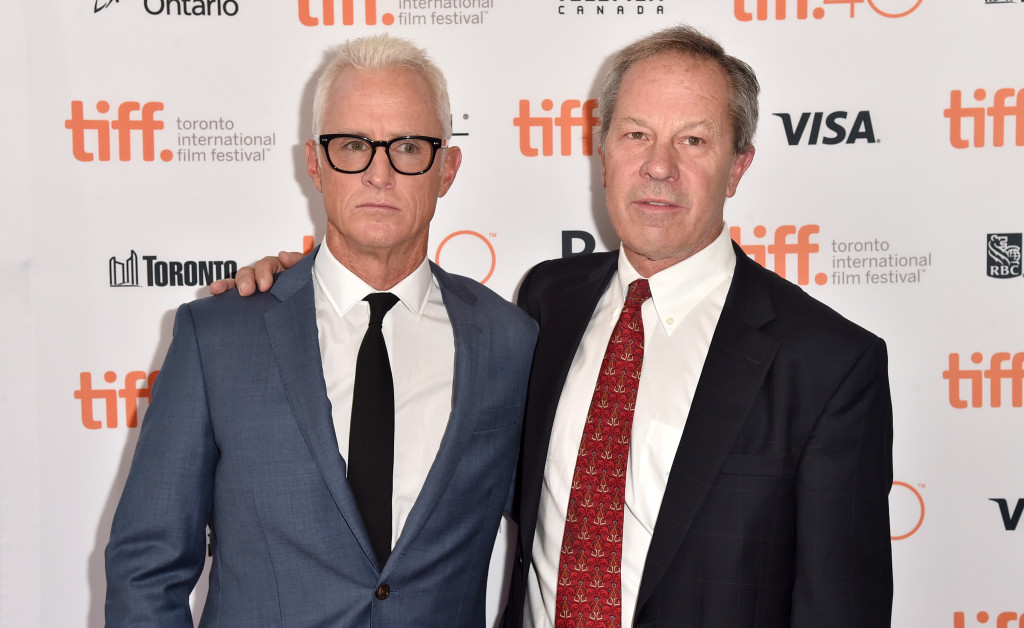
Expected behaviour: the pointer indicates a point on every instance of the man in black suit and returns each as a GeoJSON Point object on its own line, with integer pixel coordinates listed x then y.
{"type": "Point", "coordinates": [743, 468]}
{"type": "Point", "coordinates": [759, 456]}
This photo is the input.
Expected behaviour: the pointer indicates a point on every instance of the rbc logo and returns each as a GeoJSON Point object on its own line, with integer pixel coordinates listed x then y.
{"type": "Point", "coordinates": [565, 121]}
{"type": "Point", "coordinates": [860, 129]}
{"type": "Point", "coordinates": [347, 13]}
{"type": "Point", "coordinates": [1004, 257]}
{"type": "Point", "coordinates": [146, 124]}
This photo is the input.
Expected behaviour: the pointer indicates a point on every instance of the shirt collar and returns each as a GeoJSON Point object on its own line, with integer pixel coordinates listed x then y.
{"type": "Point", "coordinates": [678, 289]}
{"type": "Point", "coordinates": [344, 289]}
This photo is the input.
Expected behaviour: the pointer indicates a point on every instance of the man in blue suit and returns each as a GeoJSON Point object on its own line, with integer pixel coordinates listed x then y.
{"type": "Point", "coordinates": [249, 430]}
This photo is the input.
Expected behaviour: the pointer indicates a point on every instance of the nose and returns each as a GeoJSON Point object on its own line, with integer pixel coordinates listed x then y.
{"type": "Point", "coordinates": [660, 163]}
{"type": "Point", "coordinates": [379, 173]}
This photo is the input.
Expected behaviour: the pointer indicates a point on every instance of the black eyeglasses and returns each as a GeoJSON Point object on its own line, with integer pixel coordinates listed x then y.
{"type": "Point", "coordinates": [351, 154]}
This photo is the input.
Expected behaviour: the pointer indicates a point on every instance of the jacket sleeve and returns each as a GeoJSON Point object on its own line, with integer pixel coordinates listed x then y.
{"type": "Point", "coordinates": [844, 558]}
{"type": "Point", "coordinates": [157, 541]}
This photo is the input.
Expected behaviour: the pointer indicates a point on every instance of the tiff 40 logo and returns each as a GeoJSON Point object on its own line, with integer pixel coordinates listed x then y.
{"type": "Point", "coordinates": [326, 14]}
{"type": "Point", "coordinates": [784, 9]}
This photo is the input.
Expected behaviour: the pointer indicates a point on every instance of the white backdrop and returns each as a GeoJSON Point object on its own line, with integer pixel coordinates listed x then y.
{"type": "Point", "coordinates": [886, 181]}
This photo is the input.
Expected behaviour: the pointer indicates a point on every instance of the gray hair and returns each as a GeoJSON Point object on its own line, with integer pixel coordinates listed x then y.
{"type": "Point", "coordinates": [686, 40]}
{"type": "Point", "coordinates": [376, 54]}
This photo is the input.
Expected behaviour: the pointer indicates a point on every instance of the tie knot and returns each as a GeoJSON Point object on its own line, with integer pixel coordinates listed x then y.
{"type": "Point", "coordinates": [639, 291]}
{"type": "Point", "coordinates": [380, 303]}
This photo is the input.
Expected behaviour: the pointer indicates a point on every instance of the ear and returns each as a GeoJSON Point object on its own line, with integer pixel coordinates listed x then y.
{"type": "Point", "coordinates": [313, 164]}
{"type": "Point", "coordinates": [449, 168]}
{"type": "Point", "coordinates": [600, 151]}
{"type": "Point", "coordinates": [740, 163]}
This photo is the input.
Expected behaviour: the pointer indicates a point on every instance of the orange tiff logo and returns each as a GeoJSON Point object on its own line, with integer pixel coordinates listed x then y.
{"type": "Point", "coordinates": [1002, 619]}
{"type": "Point", "coordinates": [974, 379]}
{"type": "Point", "coordinates": [124, 125]}
{"type": "Point", "coordinates": [131, 392]}
{"type": "Point", "coordinates": [347, 13]}
{"type": "Point", "coordinates": [781, 9]}
{"type": "Point", "coordinates": [566, 121]}
{"type": "Point", "coordinates": [788, 241]}
{"type": "Point", "coordinates": [977, 117]}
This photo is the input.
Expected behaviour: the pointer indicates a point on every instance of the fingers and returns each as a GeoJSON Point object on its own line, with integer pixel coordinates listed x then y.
{"type": "Point", "coordinates": [289, 258]}
{"type": "Point", "coordinates": [245, 281]}
{"type": "Point", "coordinates": [222, 285]}
{"type": "Point", "coordinates": [264, 270]}
{"type": "Point", "coordinates": [259, 276]}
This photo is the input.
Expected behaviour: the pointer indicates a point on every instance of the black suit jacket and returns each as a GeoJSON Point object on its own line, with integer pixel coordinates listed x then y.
{"type": "Point", "coordinates": [776, 509]}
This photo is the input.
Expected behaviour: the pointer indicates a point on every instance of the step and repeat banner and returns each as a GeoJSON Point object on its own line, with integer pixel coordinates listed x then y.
{"type": "Point", "coordinates": [153, 146]}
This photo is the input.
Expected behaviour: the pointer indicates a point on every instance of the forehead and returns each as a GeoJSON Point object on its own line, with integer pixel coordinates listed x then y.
{"type": "Point", "coordinates": [395, 100]}
{"type": "Point", "coordinates": [672, 85]}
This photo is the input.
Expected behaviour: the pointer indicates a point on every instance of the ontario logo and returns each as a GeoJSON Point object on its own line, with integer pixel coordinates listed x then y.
{"type": "Point", "coordinates": [161, 273]}
{"type": "Point", "coordinates": [1003, 253]}
{"type": "Point", "coordinates": [189, 8]}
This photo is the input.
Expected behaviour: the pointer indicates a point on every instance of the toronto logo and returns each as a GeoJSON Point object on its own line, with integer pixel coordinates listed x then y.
{"type": "Point", "coordinates": [162, 273]}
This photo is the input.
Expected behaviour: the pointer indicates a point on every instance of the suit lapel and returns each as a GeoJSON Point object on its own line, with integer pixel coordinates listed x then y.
{"type": "Point", "coordinates": [295, 343]}
{"type": "Point", "coordinates": [562, 325]}
{"type": "Point", "coordinates": [472, 347]}
{"type": "Point", "coordinates": [738, 359]}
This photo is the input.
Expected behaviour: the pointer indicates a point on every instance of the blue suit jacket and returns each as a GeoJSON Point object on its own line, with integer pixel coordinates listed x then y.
{"type": "Point", "coordinates": [240, 438]}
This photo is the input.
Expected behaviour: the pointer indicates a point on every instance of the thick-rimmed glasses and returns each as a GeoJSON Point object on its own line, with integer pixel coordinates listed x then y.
{"type": "Point", "coordinates": [352, 154]}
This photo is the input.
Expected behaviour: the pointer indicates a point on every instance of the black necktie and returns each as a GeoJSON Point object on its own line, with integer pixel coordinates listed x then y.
{"type": "Point", "coordinates": [371, 449]}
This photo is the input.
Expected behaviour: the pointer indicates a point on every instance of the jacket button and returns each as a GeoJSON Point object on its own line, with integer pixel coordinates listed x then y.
{"type": "Point", "coordinates": [382, 592]}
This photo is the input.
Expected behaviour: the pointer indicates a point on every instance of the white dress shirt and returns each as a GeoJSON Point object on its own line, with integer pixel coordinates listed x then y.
{"type": "Point", "coordinates": [679, 321]}
{"type": "Point", "coordinates": [421, 348]}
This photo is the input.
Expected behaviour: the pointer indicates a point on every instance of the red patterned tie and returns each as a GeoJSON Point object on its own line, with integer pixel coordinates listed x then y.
{"type": "Point", "coordinates": [589, 581]}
